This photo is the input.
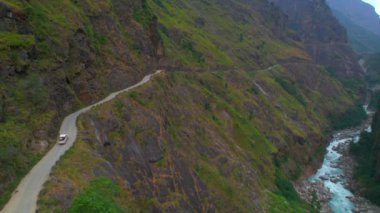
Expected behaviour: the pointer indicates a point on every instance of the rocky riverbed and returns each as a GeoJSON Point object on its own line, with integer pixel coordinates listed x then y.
{"type": "Point", "coordinates": [332, 188]}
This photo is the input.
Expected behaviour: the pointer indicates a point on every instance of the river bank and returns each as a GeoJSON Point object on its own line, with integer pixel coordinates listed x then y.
{"type": "Point", "coordinates": [331, 187]}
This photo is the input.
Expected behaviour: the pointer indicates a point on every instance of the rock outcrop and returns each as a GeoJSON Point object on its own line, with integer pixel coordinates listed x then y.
{"type": "Point", "coordinates": [324, 38]}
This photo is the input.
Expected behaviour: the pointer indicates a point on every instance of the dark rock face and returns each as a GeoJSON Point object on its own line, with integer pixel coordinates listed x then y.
{"type": "Point", "coordinates": [133, 159]}
{"type": "Point", "coordinates": [12, 19]}
{"type": "Point", "coordinates": [75, 64]}
{"type": "Point", "coordinates": [324, 38]}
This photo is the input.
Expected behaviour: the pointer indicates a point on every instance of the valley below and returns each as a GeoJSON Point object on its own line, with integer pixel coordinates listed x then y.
{"type": "Point", "coordinates": [333, 186]}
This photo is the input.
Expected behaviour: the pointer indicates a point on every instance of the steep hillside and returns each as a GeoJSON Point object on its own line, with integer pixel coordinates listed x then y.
{"type": "Point", "coordinates": [57, 56]}
{"type": "Point", "coordinates": [371, 62]}
{"type": "Point", "coordinates": [214, 141]}
{"type": "Point", "coordinates": [223, 94]}
{"type": "Point", "coordinates": [194, 141]}
{"type": "Point", "coordinates": [362, 24]}
{"type": "Point", "coordinates": [325, 39]}
{"type": "Point", "coordinates": [367, 153]}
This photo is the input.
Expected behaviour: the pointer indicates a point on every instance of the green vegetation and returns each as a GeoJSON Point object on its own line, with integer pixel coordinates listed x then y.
{"type": "Point", "coordinates": [229, 131]}
{"type": "Point", "coordinates": [372, 65]}
{"type": "Point", "coordinates": [14, 40]}
{"type": "Point", "coordinates": [287, 199]}
{"type": "Point", "coordinates": [291, 89]}
{"type": "Point", "coordinates": [375, 100]}
{"type": "Point", "coordinates": [217, 128]}
{"type": "Point", "coordinates": [144, 15]}
{"type": "Point", "coordinates": [285, 187]}
{"type": "Point", "coordinates": [367, 154]}
{"type": "Point", "coordinates": [30, 97]}
{"type": "Point", "coordinates": [209, 36]}
{"type": "Point", "coordinates": [98, 196]}
{"type": "Point", "coordinates": [350, 118]}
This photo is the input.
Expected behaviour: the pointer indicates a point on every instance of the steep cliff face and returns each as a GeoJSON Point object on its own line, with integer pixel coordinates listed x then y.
{"type": "Point", "coordinates": [325, 39]}
{"type": "Point", "coordinates": [228, 138]}
{"type": "Point", "coordinates": [56, 56]}
{"type": "Point", "coordinates": [367, 153]}
{"type": "Point", "coordinates": [225, 112]}
{"type": "Point", "coordinates": [217, 141]}
{"type": "Point", "coordinates": [362, 24]}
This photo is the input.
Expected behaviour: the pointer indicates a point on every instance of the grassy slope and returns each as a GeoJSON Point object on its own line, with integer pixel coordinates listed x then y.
{"type": "Point", "coordinates": [224, 41]}
{"type": "Point", "coordinates": [220, 38]}
{"type": "Point", "coordinates": [29, 99]}
{"type": "Point", "coordinates": [225, 112]}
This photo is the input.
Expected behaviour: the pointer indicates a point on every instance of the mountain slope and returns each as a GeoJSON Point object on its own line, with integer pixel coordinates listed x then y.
{"type": "Point", "coordinates": [362, 24]}
{"type": "Point", "coordinates": [367, 154]}
{"type": "Point", "coordinates": [193, 141]}
{"type": "Point", "coordinates": [223, 55]}
{"type": "Point", "coordinates": [325, 39]}
{"type": "Point", "coordinates": [200, 142]}
{"type": "Point", "coordinates": [55, 57]}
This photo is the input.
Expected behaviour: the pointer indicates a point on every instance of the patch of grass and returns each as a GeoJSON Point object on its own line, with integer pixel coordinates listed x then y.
{"type": "Point", "coordinates": [279, 204]}
{"type": "Point", "coordinates": [97, 197]}
{"type": "Point", "coordinates": [15, 40]}
{"type": "Point", "coordinates": [291, 89]}
{"type": "Point", "coordinates": [144, 15]}
{"type": "Point", "coordinates": [211, 176]}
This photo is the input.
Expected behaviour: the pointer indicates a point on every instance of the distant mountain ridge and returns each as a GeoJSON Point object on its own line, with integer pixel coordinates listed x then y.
{"type": "Point", "coordinates": [361, 22]}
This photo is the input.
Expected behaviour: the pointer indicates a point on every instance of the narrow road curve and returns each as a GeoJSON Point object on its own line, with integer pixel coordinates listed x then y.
{"type": "Point", "coordinates": [24, 198]}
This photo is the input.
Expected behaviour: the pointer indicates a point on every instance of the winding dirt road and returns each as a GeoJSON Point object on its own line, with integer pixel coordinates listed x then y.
{"type": "Point", "coordinates": [24, 198]}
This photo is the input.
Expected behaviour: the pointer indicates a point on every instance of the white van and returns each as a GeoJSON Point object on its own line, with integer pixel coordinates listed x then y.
{"type": "Point", "coordinates": [62, 139]}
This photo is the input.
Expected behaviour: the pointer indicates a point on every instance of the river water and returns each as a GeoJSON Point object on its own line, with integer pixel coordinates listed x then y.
{"type": "Point", "coordinates": [331, 172]}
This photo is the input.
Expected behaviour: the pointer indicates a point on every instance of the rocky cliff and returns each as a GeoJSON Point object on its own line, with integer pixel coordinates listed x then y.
{"type": "Point", "coordinates": [58, 56]}
{"type": "Point", "coordinates": [217, 141]}
{"type": "Point", "coordinates": [194, 141]}
{"type": "Point", "coordinates": [324, 38]}
{"type": "Point", "coordinates": [361, 21]}
{"type": "Point", "coordinates": [243, 98]}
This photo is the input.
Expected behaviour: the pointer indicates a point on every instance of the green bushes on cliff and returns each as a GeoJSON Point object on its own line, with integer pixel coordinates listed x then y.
{"type": "Point", "coordinates": [12, 40]}
{"type": "Point", "coordinates": [97, 197]}
{"type": "Point", "coordinates": [350, 118]}
{"type": "Point", "coordinates": [367, 154]}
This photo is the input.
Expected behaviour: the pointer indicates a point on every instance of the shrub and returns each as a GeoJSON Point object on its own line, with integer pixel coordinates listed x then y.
{"type": "Point", "coordinates": [285, 187]}
{"type": "Point", "coordinates": [352, 117]}
{"type": "Point", "coordinates": [97, 197]}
